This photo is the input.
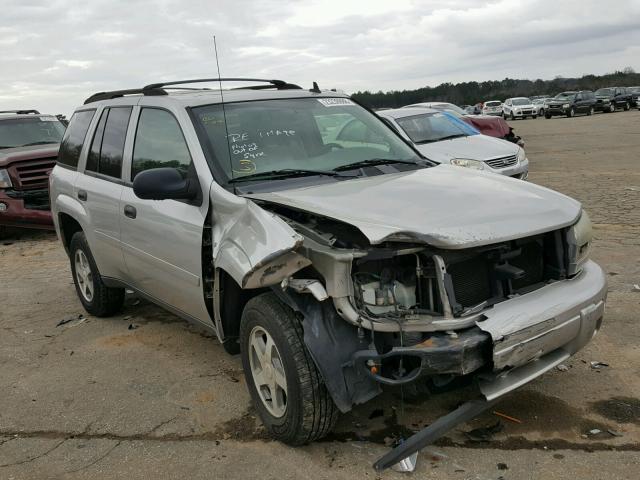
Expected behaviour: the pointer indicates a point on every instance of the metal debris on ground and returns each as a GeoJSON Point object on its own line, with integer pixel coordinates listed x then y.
{"type": "Point", "coordinates": [507, 417]}
{"type": "Point", "coordinates": [614, 433]}
{"type": "Point", "coordinates": [562, 367]}
{"type": "Point", "coordinates": [595, 431]}
{"type": "Point", "coordinates": [596, 365]}
{"type": "Point", "coordinates": [406, 465]}
{"type": "Point", "coordinates": [636, 287]}
{"type": "Point", "coordinates": [71, 318]}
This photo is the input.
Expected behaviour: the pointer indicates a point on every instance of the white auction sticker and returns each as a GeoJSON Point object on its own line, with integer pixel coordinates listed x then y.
{"type": "Point", "coordinates": [335, 102]}
{"type": "Point", "coordinates": [48, 119]}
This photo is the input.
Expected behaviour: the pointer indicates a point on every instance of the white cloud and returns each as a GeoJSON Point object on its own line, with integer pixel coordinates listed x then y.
{"type": "Point", "coordinates": [54, 54]}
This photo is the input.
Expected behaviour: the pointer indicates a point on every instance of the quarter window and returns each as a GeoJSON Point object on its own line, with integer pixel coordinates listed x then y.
{"type": "Point", "coordinates": [74, 138]}
{"type": "Point", "coordinates": [159, 143]}
{"type": "Point", "coordinates": [107, 147]}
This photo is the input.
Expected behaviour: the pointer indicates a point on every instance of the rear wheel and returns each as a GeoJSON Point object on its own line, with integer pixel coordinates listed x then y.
{"type": "Point", "coordinates": [285, 385]}
{"type": "Point", "coordinates": [97, 299]}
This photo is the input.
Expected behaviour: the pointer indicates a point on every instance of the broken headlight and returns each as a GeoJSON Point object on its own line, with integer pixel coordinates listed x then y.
{"type": "Point", "coordinates": [579, 242]}
{"type": "Point", "coordinates": [5, 181]}
{"type": "Point", "coordinates": [468, 163]}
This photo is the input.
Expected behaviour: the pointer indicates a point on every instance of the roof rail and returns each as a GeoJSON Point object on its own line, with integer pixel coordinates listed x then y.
{"type": "Point", "coordinates": [21, 112]}
{"type": "Point", "coordinates": [96, 97]}
{"type": "Point", "coordinates": [279, 84]}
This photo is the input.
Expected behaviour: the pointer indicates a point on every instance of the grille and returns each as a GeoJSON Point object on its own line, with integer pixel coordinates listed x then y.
{"type": "Point", "coordinates": [502, 162]}
{"type": "Point", "coordinates": [31, 174]}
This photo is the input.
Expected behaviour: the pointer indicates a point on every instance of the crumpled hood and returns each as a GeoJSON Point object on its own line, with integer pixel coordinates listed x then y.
{"type": "Point", "coordinates": [32, 152]}
{"type": "Point", "coordinates": [476, 147]}
{"type": "Point", "coordinates": [444, 206]}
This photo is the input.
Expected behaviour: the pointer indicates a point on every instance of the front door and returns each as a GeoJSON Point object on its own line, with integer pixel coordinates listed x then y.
{"type": "Point", "coordinates": [162, 239]}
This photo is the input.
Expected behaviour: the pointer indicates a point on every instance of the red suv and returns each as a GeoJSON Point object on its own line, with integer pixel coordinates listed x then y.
{"type": "Point", "coordinates": [29, 143]}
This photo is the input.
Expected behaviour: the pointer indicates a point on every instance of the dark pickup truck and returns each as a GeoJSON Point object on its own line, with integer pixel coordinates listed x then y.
{"type": "Point", "coordinates": [29, 145]}
{"type": "Point", "coordinates": [611, 98]}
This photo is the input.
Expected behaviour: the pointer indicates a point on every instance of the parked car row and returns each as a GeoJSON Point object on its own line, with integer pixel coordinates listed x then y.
{"type": "Point", "coordinates": [568, 103]}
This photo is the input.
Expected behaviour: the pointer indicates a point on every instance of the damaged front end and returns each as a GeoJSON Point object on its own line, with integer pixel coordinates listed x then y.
{"type": "Point", "coordinates": [413, 311]}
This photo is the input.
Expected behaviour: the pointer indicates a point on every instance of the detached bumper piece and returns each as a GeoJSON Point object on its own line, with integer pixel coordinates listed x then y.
{"type": "Point", "coordinates": [433, 432]}
{"type": "Point", "coordinates": [458, 354]}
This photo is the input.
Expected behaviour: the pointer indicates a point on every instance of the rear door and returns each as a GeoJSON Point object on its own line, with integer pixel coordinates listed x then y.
{"type": "Point", "coordinates": [162, 240]}
{"type": "Point", "coordinates": [100, 188]}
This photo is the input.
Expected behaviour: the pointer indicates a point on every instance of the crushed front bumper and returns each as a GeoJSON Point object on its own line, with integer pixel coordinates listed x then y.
{"type": "Point", "coordinates": [515, 341]}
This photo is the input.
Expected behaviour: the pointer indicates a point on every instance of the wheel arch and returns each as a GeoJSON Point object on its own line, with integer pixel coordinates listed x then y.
{"type": "Point", "coordinates": [69, 226]}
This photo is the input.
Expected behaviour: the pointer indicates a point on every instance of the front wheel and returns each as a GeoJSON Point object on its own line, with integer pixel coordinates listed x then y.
{"type": "Point", "coordinates": [612, 107]}
{"type": "Point", "coordinates": [97, 299]}
{"type": "Point", "coordinates": [571, 112]}
{"type": "Point", "coordinates": [534, 116]}
{"type": "Point", "coordinates": [285, 385]}
{"type": "Point", "coordinates": [591, 110]}
{"type": "Point", "coordinates": [627, 106]}
{"type": "Point", "coordinates": [547, 116]}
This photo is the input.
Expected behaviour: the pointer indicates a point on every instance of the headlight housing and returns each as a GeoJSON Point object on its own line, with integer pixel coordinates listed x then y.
{"type": "Point", "coordinates": [579, 243]}
{"type": "Point", "coordinates": [5, 180]}
{"type": "Point", "coordinates": [566, 105]}
{"type": "Point", "coordinates": [521, 155]}
{"type": "Point", "coordinates": [468, 163]}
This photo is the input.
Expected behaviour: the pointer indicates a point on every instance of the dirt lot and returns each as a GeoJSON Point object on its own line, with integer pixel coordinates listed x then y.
{"type": "Point", "coordinates": [145, 395]}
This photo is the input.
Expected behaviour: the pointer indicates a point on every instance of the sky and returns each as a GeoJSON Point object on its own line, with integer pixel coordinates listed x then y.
{"type": "Point", "coordinates": [56, 53]}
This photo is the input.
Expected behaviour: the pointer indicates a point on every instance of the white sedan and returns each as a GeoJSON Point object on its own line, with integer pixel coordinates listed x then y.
{"type": "Point", "coordinates": [443, 138]}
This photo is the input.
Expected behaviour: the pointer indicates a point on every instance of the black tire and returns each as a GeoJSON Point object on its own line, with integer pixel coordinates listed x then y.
{"type": "Point", "coordinates": [534, 116]}
{"type": "Point", "coordinates": [105, 301]}
{"type": "Point", "coordinates": [547, 116]}
{"type": "Point", "coordinates": [542, 112]}
{"type": "Point", "coordinates": [612, 107]}
{"type": "Point", "coordinates": [626, 106]}
{"type": "Point", "coordinates": [310, 412]}
{"type": "Point", "coordinates": [590, 112]}
{"type": "Point", "coordinates": [513, 117]}
{"type": "Point", "coordinates": [571, 113]}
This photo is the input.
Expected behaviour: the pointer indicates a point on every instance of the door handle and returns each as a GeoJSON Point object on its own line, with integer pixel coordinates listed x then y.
{"type": "Point", "coordinates": [130, 211]}
{"type": "Point", "coordinates": [82, 195]}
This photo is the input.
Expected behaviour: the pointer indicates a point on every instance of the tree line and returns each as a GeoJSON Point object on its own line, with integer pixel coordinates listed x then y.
{"type": "Point", "coordinates": [470, 93]}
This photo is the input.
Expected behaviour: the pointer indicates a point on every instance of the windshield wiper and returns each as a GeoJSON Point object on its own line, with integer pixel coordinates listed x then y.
{"type": "Point", "coordinates": [450, 137]}
{"type": "Point", "coordinates": [373, 162]}
{"type": "Point", "coordinates": [286, 173]}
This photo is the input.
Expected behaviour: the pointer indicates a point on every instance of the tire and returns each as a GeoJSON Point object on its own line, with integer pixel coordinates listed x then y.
{"type": "Point", "coordinates": [504, 116]}
{"type": "Point", "coordinates": [534, 117]}
{"type": "Point", "coordinates": [547, 116]}
{"type": "Point", "coordinates": [309, 412]}
{"type": "Point", "coordinates": [102, 301]}
{"type": "Point", "coordinates": [626, 106]}
{"type": "Point", "coordinates": [513, 117]}
{"type": "Point", "coordinates": [571, 113]}
{"type": "Point", "coordinates": [591, 111]}
{"type": "Point", "coordinates": [542, 112]}
{"type": "Point", "coordinates": [612, 107]}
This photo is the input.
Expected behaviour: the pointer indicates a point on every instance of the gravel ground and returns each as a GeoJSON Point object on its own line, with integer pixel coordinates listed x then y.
{"type": "Point", "coordinates": [146, 395]}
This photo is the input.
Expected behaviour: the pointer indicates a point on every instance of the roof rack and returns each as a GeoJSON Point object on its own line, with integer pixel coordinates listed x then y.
{"type": "Point", "coordinates": [21, 112]}
{"type": "Point", "coordinates": [159, 88]}
{"type": "Point", "coordinates": [279, 84]}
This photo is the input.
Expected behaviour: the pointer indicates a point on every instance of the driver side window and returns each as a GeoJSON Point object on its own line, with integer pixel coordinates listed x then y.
{"type": "Point", "coordinates": [159, 143]}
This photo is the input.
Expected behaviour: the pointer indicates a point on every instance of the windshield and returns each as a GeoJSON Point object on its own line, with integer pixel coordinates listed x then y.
{"type": "Point", "coordinates": [565, 95]}
{"type": "Point", "coordinates": [521, 101]}
{"type": "Point", "coordinates": [19, 132]}
{"type": "Point", "coordinates": [302, 133]}
{"type": "Point", "coordinates": [492, 104]}
{"type": "Point", "coordinates": [430, 127]}
{"type": "Point", "coordinates": [604, 91]}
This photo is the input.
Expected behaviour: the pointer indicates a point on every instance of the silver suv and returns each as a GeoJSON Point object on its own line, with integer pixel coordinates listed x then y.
{"type": "Point", "coordinates": [317, 242]}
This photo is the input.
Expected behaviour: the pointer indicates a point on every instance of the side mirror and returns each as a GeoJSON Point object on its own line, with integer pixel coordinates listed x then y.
{"type": "Point", "coordinates": [164, 184]}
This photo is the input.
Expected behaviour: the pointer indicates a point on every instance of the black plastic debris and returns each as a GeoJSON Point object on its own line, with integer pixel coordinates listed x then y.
{"type": "Point", "coordinates": [484, 434]}
{"type": "Point", "coordinates": [69, 318]}
{"type": "Point", "coordinates": [132, 326]}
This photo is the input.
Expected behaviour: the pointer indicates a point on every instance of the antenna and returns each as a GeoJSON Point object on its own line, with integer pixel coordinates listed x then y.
{"type": "Point", "coordinates": [224, 112]}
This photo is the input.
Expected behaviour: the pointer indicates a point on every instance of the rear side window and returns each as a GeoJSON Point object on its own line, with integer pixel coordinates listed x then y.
{"type": "Point", "coordinates": [107, 147]}
{"type": "Point", "coordinates": [159, 143]}
{"type": "Point", "coordinates": [74, 138]}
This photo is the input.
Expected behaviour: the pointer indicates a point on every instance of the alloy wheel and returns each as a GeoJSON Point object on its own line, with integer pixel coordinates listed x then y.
{"type": "Point", "coordinates": [84, 277]}
{"type": "Point", "coordinates": [268, 372]}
